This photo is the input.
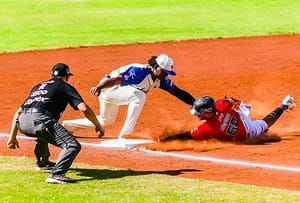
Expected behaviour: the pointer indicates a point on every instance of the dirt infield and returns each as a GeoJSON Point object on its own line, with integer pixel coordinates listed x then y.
{"type": "Point", "coordinates": [259, 70]}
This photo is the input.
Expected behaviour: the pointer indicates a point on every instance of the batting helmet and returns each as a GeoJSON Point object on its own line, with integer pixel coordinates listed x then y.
{"type": "Point", "coordinates": [203, 105]}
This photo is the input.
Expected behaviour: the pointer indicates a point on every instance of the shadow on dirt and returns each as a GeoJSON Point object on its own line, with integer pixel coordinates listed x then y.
{"type": "Point", "coordinates": [101, 174]}
{"type": "Point", "coordinates": [266, 138]}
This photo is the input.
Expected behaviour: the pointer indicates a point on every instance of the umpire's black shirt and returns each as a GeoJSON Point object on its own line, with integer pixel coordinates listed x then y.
{"type": "Point", "coordinates": [53, 96]}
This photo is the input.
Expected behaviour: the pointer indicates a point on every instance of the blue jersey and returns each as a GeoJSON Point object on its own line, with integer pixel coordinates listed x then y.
{"type": "Point", "coordinates": [139, 76]}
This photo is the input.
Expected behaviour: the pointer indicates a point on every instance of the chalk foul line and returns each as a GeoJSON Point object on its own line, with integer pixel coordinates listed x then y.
{"type": "Point", "coordinates": [223, 161]}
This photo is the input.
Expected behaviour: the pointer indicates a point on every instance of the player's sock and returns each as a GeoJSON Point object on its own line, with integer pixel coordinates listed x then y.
{"type": "Point", "coordinates": [272, 117]}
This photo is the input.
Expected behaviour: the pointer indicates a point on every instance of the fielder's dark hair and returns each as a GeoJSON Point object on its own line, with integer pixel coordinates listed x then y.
{"type": "Point", "coordinates": [152, 61]}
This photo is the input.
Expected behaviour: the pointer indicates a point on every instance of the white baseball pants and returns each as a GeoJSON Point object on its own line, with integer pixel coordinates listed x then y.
{"type": "Point", "coordinates": [110, 99]}
{"type": "Point", "coordinates": [253, 128]}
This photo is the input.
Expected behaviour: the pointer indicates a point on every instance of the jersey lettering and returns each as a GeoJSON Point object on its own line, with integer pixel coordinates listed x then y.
{"type": "Point", "coordinates": [225, 122]}
{"type": "Point", "coordinates": [35, 99]}
{"type": "Point", "coordinates": [230, 125]}
{"type": "Point", "coordinates": [132, 74]}
{"type": "Point", "coordinates": [37, 95]}
{"type": "Point", "coordinates": [39, 92]}
{"type": "Point", "coordinates": [42, 86]}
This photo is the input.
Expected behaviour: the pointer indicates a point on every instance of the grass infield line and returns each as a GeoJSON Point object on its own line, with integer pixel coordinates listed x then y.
{"type": "Point", "coordinates": [192, 157]}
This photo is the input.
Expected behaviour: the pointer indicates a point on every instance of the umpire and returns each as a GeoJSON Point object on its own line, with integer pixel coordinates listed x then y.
{"type": "Point", "coordinates": [38, 117]}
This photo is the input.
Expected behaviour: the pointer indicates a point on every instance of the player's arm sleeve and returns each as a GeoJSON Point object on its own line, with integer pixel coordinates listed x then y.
{"type": "Point", "coordinates": [181, 94]}
{"type": "Point", "coordinates": [202, 132]}
{"type": "Point", "coordinates": [179, 136]}
{"type": "Point", "coordinates": [74, 97]}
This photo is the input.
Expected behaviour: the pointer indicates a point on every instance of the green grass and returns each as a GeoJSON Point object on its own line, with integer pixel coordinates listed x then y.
{"type": "Point", "coordinates": [40, 24]}
{"type": "Point", "coordinates": [21, 183]}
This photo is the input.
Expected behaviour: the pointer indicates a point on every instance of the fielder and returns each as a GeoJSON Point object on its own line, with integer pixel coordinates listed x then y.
{"type": "Point", "coordinates": [128, 85]}
{"type": "Point", "coordinates": [228, 119]}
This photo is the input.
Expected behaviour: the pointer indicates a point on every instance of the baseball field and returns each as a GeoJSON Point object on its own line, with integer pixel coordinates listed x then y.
{"type": "Point", "coordinates": [245, 49]}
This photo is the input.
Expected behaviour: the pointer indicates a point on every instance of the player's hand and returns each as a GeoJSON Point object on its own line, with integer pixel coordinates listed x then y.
{"type": "Point", "coordinates": [94, 91]}
{"type": "Point", "coordinates": [12, 143]}
{"type": "Point", "coordinates": [100, 130]}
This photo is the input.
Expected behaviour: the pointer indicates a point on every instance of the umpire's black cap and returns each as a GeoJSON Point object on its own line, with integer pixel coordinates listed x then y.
{"type": "Point", "coordinates": [61, 69]}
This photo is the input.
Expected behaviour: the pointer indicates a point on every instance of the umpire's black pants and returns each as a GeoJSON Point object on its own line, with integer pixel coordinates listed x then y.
{"type": "Point", "coordinates": [48, 130]}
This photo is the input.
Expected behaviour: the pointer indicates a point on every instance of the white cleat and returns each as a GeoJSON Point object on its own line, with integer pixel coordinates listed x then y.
{"type": "Point", "coordinates": [289, 102]}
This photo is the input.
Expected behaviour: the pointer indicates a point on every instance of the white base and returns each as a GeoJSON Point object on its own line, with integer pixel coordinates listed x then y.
{"type": "Point", "coordinates": [124, 143]}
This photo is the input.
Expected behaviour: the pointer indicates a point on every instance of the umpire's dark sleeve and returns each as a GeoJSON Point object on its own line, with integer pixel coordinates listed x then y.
{"type": "Point", "coordinates": [183, 95]}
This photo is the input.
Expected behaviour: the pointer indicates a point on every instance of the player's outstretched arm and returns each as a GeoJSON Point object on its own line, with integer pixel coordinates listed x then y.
{"type": "Point", "coordinates": [95, 91]}
{"type": "Point", "coordinates": [89, 114]}
{"type": "Point", "coordinates": [178, 136]}
{"type": "Point", "coordinates": [183, 95]}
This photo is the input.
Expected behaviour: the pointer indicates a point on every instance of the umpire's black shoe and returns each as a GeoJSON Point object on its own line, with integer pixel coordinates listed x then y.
{"type": "Point", "coordinates": [48, 165]}
{"type": "Point", "coordinates": [59, 179]}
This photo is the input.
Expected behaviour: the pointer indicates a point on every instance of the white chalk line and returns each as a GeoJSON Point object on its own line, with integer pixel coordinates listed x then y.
{"type": "Point", "coordinates": [194, 157]}
{"type": "Point", "coordinates": [223, 161]}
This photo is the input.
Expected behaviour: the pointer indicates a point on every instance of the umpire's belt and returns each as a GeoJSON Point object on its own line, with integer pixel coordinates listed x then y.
{"type": "Point", "coordinates": [36, 110]}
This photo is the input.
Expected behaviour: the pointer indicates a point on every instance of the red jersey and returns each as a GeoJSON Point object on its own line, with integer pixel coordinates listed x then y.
{"type": "Point", "coordinates": [226, 124]}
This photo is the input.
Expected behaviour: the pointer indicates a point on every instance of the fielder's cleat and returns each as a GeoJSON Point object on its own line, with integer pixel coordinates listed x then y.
{"type": "Point", "coordinates": [48, 165]}
{"type": "Point", "coordinates": [59, 179]}
{"type": "Point", "coordinates": [289, 102]}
